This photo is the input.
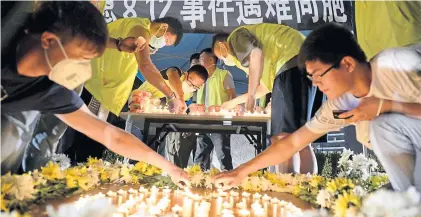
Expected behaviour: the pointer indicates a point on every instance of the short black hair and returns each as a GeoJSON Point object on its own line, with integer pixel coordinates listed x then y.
{"type": "Point", "coordinates": [209, 51]}
{"type": "Point", "coordinates": [200, 71]}
{"type": "Point", "coordinates": [329, 44]}
{"type": "Point", "coordinates": [220, 37]}
{"type": "Point", "coordinates": [194, 56]}
{"type": "Point", "coordinates": [174, 26]}
{"type": "Point", "coordinates": [70, 19]}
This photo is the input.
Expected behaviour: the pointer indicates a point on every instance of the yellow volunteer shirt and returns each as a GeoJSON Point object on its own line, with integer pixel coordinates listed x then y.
{"type": "Point", "coordinates": [279, 44]}
{"type": "Point", "coordinates": [216, 88]}
{"type": "Point", "coordinates": [386, 24]}
{"type": "Point", "coordinates": [114, 72]}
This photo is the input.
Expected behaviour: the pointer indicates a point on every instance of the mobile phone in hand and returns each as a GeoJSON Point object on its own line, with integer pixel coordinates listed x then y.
{"type": "Point", "coordinates": [336, 114]}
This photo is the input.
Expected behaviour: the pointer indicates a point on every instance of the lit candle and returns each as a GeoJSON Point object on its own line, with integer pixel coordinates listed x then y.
{"type": "Point", "coordinates": [143, 190]}
{"type": "Point", "coordinates": [132, 193]}
{"type": "Point", "coordinates": [123, 211]}
{"type": "Point", "coordinates": [282, 212]}
{"type": "Point", "coordinates": [141, 209]}
{"type": "Point", "coordinates": [227, 211]}
{"type": "Point", "coordinates": [259, 212]}
{"type": "Point", "coordinates": [274, 209]}
{"type": "Point", "coordinates": [166, 191]}
{"type": "Point", "coordinates": [187, 207]}
{"type": "Point", "coordinates": [176, 209]}
{"type": "Point", "coordinates": [257, 196]}
{"type": "Point", "coordinates": [241, 205]}
{"type": "Point", "coordinates": [234, 193]}
{"type": "Point", "coordinates": [226, 205]}
{"type": "Point", "coordinates": [266, 198]}
{"type": "Point", "coordinates": [245, 194]}
{"type": "Point", "coordinates": [218, 205]}
{"type": "Point", "coordinates": [243, 213]}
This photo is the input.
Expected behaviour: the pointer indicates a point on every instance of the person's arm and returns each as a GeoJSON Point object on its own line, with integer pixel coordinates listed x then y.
{"type": "Point", "coordinates": [229, 86]}
{"type": "Point", "coordinates": [262, 90]}
{"type": "Point", "coordinates": [231, 93]}
{"type": "Point", "coordinates": [175, 82]}
{"type": "Point", "coordinates": [116, 139]}
{"type": "Point", "coordinates": [255, 71]}
{"type": "Point", "coordinates": [410, 109]}
{"type": "Point", "coordinates": [148, 69]}
{"type": "Point", "coordinates": [280, 151]}
{"type": "Point", "coordinates": [371, 107]}
{"type": "Point", "coordinates": [127, 45]}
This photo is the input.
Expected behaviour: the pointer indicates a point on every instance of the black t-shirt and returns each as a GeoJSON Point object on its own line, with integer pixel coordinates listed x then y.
{"type": "Point", "coordinates": [21, 93]}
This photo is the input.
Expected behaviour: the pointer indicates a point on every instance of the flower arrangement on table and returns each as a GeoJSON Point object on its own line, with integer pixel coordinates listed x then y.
{"type": "Point", "coordinates": [342, 195]}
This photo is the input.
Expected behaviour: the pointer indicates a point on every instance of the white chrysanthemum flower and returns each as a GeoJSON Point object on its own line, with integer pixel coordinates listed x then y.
{"type": "Point", "coordinates": [324, 199]}
{"type": "Point", "coordinates": [342, 174]}
{"type": "Point", "coordinates": [264, 184]}
{"type": "Point", "coordinates": [23, 187]}
{"type": "Point", "coordinates": [62, 160]}
{"type": "Point", "coordinates": [90, 208]}
{"type": "Point", "coordinates": [372, 164]}
{"type": "Point", "coordinates": [196, 179]}
{"type": "Point", "coordinates": [38, 178]}
{"type": "Point", "coordinates": [359, 191]}
{"type": "Point", "coordinates": [208, 182]}
{"type": "Point", "coordinates": [345, 157]}
{"type": "Point", "coordinates": [380, 203]}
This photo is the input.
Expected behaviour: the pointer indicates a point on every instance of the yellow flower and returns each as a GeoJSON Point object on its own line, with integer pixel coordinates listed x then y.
{"type": "Point", "coordinates": [213, 171]}
{"type": "Point", "coordinates": [92, 161]}
{"type": "Point", "coordinates": [345, 201]}
{"type": "Point", "coordinates": [275, 179]}
{"type": "Point", "coordinates": [4, 202]}
{"type": "Point", "coordinates": [72, 175]}
{"type": "Point", "coordinates": [378, 181]}
{"type": "Point", "coordinates": [141, 167]}
{"type": "Point", "coordinates": [81, 177]}
{"type": "Point", "coordinates": [52, 171]}
{"type": "Point", "coordinates": [340, 184]}
{"type": "Point", "coordinates": [149, 172]}
{"type": "Point", "coordinates": [193, 170]}
{"type": "Point", "coordinates": [316, 181]}
{"type": "Point", "coordinates": [6, 183]}
{"type": "Point", "coordinates": [296, 190]}
{"type": "Point", "coordinates": [257, 173]}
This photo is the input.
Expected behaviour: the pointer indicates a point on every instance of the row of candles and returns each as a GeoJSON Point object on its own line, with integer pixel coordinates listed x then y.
{"type": "Point", "coordinates": [154, 202]}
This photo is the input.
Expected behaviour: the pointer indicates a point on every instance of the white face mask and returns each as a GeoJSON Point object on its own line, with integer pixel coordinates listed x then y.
{"type": "Point", "coordinates": [156, 42]}
{"type": "Point", "coordinates": [186, 87]}
{"type": "Point", "coordinates": [229, 61]}
{"type": "Point", "coordinates": [69, 73]}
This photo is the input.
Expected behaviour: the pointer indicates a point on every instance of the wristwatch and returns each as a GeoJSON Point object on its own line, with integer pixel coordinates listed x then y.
{"type": "Point", "coordinates": [171, 97]}
{"type": "Point", "coordinates": [118, 43]}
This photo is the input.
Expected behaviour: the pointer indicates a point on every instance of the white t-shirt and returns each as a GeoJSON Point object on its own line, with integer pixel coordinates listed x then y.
{"type": "Point", "coordinates": [396, 76]}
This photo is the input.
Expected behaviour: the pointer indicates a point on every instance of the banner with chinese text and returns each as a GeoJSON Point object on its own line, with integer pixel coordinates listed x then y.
{"type": "Point", "coordinates": [225, 15]}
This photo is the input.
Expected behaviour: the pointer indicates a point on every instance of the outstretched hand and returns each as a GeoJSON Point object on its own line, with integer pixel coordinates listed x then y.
{"type": "Point", "coordinates": [229, 179]}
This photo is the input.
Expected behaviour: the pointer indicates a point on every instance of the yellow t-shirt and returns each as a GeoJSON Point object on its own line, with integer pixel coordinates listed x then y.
{"type": "Point", "coordinates": [114, 72]}
{"type": "Point", "coordinates": [386, 24]}
{"type": "Point", "coordinates": [279, 44]}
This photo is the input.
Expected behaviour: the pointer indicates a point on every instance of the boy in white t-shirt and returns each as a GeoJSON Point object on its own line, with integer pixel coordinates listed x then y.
{"type": "Point", "coordinates": [382, 98]}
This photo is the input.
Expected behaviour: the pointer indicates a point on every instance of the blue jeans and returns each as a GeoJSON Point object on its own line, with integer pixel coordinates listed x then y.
{"type": "Point", "coordinates": [396, 141]}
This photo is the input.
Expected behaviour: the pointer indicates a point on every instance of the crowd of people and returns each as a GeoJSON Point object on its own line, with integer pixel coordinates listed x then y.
{"type": "Point", "coordinates": [60, 48]}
